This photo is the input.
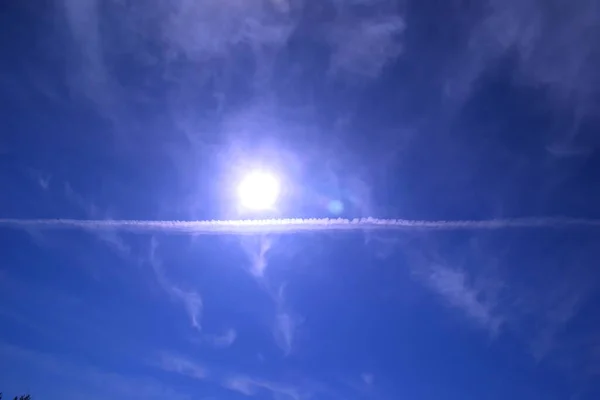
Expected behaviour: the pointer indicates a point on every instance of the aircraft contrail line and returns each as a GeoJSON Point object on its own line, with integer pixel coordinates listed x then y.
{"type": "Point", "coordinates": [294, 225]}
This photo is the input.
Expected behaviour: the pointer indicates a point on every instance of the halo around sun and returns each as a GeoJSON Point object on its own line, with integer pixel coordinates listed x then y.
{"type": "Point", "coordinates": [259, 190]}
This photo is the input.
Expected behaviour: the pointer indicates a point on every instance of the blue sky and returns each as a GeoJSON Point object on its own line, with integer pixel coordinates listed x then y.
{"type": "Point", "coordinates": [422, 110]}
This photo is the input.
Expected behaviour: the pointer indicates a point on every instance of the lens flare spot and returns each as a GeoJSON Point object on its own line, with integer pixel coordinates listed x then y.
{"type": "Point", "coordinates": [335, 207]}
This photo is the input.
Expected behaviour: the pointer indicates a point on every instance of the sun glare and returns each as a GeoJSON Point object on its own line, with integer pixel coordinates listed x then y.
{"type": "Point", "coordinates": [259, 190]}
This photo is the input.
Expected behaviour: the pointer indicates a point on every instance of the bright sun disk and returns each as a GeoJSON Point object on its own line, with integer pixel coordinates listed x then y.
{"type": "Point", "coordinates": [259, 190]}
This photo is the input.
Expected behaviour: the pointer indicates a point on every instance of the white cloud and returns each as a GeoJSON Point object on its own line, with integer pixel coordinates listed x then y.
{"type": "Point", "coordinates": [361, 42]}
{"type": "Point", "coordinates": [192, 303]}
{"type": "Point", "coordinates": [221, 341]}
{"type": "Point", "coordinates": [110, 237]}
{"type": "Point", "coordinates": [477, 296]}
{"type": "Point", "coordinates": [285, 324]}
{"type": "Point", "coordinates": [552, 42]}
{"type": "Point", "coordinates": [240, 383]}
{"type": "Point", "coordinates": [195, 31]}
{"type": "Point", "coordinates": [550, 306]}
{"type": "Point", "coordinates": [285, 329]}
{"type": "Point", "coordinates": [249, 387]}
{"type": "Point", "coordinates": [191, 300]}
{"type": "Point", "coordinates": [42, 178]}
{"type": "Point", "coordinates": [183, 366]}
{"type": "Point", "coordinates": [89, 75]}
{"type": "Point", "coordinates": [367, 378]}
{"type": "Point", "coordinates": [206, 28]}
{"type": "Point", "coordinates": [362, 35]}
{"type": "Point", "coordinates": [60, 377]}
{"type": "Point", "coordinates": [500, 292]}
{"type": "Point", "coordinates": [257, 249]}
{"type": "Point", "coordinates": [363, 46]}
{"type": "Point", "coordinates": [454, 287]}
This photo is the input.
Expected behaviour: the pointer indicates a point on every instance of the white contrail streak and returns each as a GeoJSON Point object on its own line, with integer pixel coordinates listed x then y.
{"type": "Point", "coordinates": [293, 225]}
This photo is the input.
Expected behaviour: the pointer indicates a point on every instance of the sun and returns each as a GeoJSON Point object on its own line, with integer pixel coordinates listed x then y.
{"type": "Point", "coordinates": [259, 190]}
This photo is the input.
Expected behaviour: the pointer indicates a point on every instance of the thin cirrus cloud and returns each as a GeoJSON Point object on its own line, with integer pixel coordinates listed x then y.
{"type": "Point", "coordinates": [483, 285]}
{"type": "Point", "coordinates": [556, 51]}
{"type": "Point", "coordinates": [286, 325]}
{"type": "Point", "coordinates": [241, 383]}
{"type": "Point", "coordinates": [257, 250]}
{"type": "Point", "coordinates": [286, 322]}
{"type": "Point", "coordinates": [553, 47]}
{"type": "Point", "coordinates": [498, 305]}
{"type": "Point", "coordinates": [212, 30]}
{"type": "Point", "coordinates": [88, 73]}
{"type": "Point", "coordinates": [368, 378]}
{"type": "Point", "coordinates": [191, 300]}
{"type": "Point", "coordinates": [71, 379]}
{"type": "Point", "coordinates": [112, 239]}
{"type": "Point", "coordinates": [453, 286]}
{"type": "Point", "coordinates": [363, 48]}
{"type": "Point", "coordinates": [250, 387]}
{"type": "Point", "coordinates": [182, 365]}
{"type": "Point", "coordinates": [221, 341]}
{"type": "Point", "coordinates": [202, 29]}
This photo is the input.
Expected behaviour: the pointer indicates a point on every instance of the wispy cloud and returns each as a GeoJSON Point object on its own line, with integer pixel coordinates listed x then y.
{"type": "Point", "coordinates": [221, 341]}
{"type": "Point", "coordinates": [191, 300]}
{"type": "Point", "coordinates": [250, 387]}
{"type": "Point", "coordinates": [60, 377]}
{"type": "Point", "coordinates": [554, 46]}
{"type": "Point", "coordinates": [368, 378]}
{"type": "Point", "coordinates": [552, 305]}
{"type": "Point", "coordinates": [182, 365]}
{"type": "Point", "coordinates": [286, 322]}
{"type": "Point", "coordinates": [161, 36]}
{"type": "Point", "coordinates": [192, 303]}
{"type": "Point", "coordinates": [112, 239]}
{"type": "Point", "coordinates": [89, 75]}
{"type": "Point", "coordinates": [43, 179]}
{"type": "Point", "coordinates": [180, 31]}
{"type": "Point", "coordinates": [363, 46]}
{"type": "Point", "coordinates": [257, 249]}
{"type": "Point", "coordinates": [201, 30]}
{"type": "Point", "coordinates": [552, 49]}
{"type": "Point", "coordinates": [285, 329]}
{"type": "Point", "coordinates": [454, 287]}
{"type": "Point", "coordinates": [240, 383]}
{"type": "Point", "coordinates": [211, 28]}
{"type": "Point", "coordinates": [483, 284]}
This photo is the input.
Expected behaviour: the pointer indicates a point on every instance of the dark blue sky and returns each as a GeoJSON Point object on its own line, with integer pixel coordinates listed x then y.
{"type": "Point", "coordinates": [433, 110]}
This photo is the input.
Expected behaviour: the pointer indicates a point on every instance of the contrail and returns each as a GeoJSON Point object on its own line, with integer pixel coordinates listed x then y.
{"type": "Point", "coordinates": [294, 225]}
